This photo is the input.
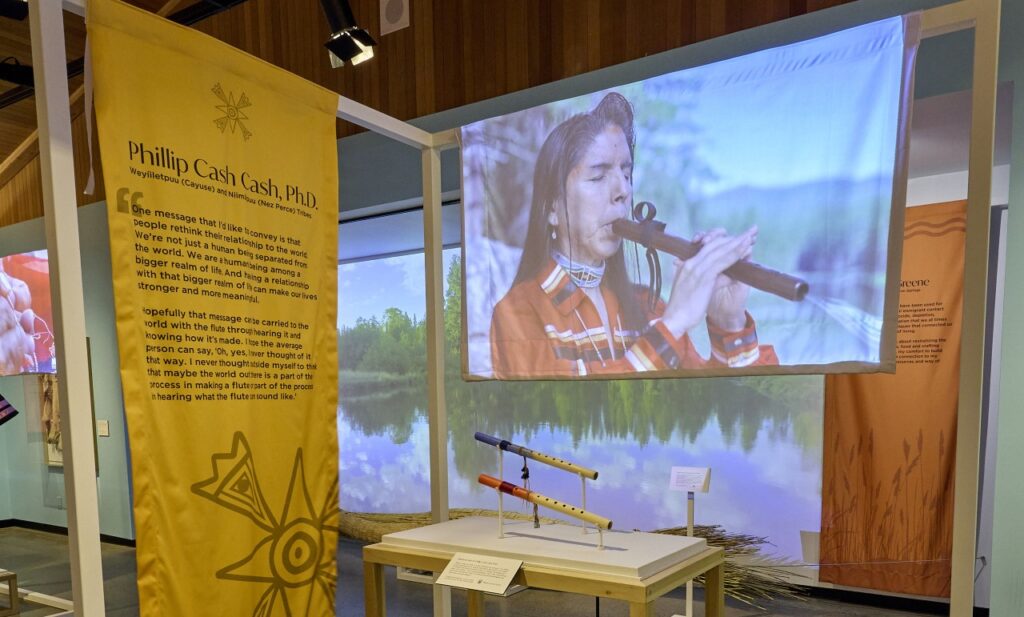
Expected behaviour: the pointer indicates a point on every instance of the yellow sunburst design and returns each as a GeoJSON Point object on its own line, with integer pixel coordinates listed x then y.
{"type": "Point", "coordinates": [294, 559]}
{"type": "Point", "coordinates": [232, 110]}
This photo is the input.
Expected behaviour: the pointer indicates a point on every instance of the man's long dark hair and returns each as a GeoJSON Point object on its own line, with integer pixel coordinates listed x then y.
{"type": "Point", "coordinates": [561, 152]}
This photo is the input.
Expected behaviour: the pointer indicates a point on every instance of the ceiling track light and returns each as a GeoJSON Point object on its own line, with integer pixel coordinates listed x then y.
{"type": "Point", "coordinates": [15, 72]}
{"type": "Point", "coordinates": [348, 42]}
{"type": "Point", "coordinates": [14, 9]}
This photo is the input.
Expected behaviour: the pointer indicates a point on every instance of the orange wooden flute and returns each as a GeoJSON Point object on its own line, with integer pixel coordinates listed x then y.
{"type": "Point", "coordinates": [536, 498]}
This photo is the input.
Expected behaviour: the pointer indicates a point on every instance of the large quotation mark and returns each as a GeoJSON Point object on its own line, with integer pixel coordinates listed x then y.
{"type": "Point", "coordinates": [123, 201]}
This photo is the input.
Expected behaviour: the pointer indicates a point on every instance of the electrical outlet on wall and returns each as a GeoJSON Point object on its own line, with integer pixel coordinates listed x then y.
{"type": "Point", "coordinates": [103, 428]}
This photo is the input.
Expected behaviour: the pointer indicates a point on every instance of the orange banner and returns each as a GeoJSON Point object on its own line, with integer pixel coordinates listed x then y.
{"type": "Point", "coordinates": [887, 483]}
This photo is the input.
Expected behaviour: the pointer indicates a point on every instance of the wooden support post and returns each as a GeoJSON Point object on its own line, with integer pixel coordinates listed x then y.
{"type": "Point", "coordinates": [373, 589]}
{"type": "Point", "coordinates": [714, 591]}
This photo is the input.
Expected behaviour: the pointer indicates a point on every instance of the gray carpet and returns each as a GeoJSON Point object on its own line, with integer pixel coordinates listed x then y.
{"type": "Point", "coordinates": [41, 562]}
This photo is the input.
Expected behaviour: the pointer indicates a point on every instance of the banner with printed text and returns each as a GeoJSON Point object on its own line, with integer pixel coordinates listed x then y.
{"type": "Point", "coordinates": [221, 176]}
{"type": "Point", "coordinates": [890, 440]}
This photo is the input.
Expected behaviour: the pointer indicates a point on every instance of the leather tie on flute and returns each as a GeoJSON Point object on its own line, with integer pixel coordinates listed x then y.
{"type": "Point", "coordinates": [651, 234]}
{"type": "Point", "coordinates": [547, 502]}
{"type": "Point", "coordinates": [537, 456]}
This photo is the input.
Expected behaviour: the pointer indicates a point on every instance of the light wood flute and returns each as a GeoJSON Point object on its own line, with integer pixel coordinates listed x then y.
{"type": "Point", "coordinates": [537, 456]}
{"type": "Point", "coordinates": [536, 498]}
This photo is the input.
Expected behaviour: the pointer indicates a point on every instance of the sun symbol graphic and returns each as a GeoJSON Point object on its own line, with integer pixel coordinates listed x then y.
{"type": "Point", "coordinates": [296, 558]}
{"type": "Point", "coordinates": [232, 110]}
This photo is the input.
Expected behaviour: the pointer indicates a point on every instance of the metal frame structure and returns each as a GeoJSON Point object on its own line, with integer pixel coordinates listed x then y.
{"type": "Point", "coordinates": [61, 221]}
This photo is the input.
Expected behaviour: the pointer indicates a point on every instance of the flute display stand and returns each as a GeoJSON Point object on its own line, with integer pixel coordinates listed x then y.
{"type": "Point", "coordinates": [636, 569]}
{"type": "Point", "coordinates": [691, 480]}
{"type": "Point", "coordinates": [501, 503]}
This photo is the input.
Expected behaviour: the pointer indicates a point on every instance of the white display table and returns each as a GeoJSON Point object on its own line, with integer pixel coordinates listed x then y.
{"type": "Point", "coordinates": [635, 567]}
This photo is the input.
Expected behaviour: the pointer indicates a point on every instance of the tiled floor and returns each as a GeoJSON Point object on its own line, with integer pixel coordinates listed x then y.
{"type": "Point", "coordinates": [41, 561]}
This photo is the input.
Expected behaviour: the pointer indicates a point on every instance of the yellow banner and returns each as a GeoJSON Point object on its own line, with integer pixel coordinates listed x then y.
{"type": "Point", "coordinates": [221, 176]}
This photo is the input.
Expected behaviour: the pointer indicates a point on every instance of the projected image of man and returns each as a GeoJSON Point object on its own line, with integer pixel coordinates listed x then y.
{"type": "Point", "coordinates": [573, 310]}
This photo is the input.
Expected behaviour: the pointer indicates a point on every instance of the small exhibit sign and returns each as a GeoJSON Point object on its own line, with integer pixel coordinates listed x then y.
{"type": "Point", "coordinates": [690, 479]}
{"type": "Point", "coordinates": [479, 572]}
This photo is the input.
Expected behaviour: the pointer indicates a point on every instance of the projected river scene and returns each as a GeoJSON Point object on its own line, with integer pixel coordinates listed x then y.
{"type": "Point", "coordinates": [760, 435]}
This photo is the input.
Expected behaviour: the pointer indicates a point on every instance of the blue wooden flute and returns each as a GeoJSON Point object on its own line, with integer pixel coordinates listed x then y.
{"type": "Point", "coordinates": [537, 456]}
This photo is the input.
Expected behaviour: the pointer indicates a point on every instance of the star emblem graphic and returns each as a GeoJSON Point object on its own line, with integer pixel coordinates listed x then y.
{"type": "Point", "coordinates": [232, 110]}
{"type": "Point", "coordinates": [296, 559]}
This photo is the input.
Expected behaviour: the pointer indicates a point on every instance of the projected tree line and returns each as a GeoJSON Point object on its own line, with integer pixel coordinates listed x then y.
{"type": "Point", "coordinates": [383, 358]}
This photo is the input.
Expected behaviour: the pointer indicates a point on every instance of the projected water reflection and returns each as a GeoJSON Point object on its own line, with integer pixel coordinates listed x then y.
{"type": "Point", "coordinates": [760, 436]}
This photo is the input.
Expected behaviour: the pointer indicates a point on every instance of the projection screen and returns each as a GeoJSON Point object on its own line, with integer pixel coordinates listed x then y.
{"type": "Point", "coordinates": [736, 218]}
{"type": "Point", "coordinates": [26, 336]}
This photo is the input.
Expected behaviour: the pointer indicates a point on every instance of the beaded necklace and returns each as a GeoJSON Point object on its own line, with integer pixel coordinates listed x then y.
{"type": "Point", "coordinates": [585, 277]}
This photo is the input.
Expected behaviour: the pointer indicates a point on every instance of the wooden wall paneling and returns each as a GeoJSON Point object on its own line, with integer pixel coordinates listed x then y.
{"type": "Point", "coordinates": [399, 71]}
{"type": "Point", "coordinates": [741, 14]}
{"type": "Point", "coordinates": [516, 58]}
{"type": "Point", "coordinates": [376, 80]}
{"type": "Point", "coordinates": [558, 52]}
{"type": "Point", "coordinates": [448, 68]}
{"type": "Point", "coordinates": [573, 21]}
{"type": "Point", "coordinates": [710, 19]}
{"type": "Point", "coordinates": [494, 72]}
{"type": "Point", "coordinates": [681, 18]}
{"type": "Point", "coordinates": [425, 54]}
{"type": "Point", "coordinates": [630, 22]}
{"type": "Point", "coordinates": [658, 28]}
{"type": "Point", "coordinates": [21, 199]}
{"type": "Point", "coordinates": [609, 35]}
{"type": "Point", "coordinates": [17, 158]}
{"type": "Point", "coordinates": [539, 43]}
{"type": "Point", "coordinates": [817, 5]}
{"type": "Point", "coordinates": [593, 40]}
{"type": "Point", "coordinates": [17, 122]}
{"type": "Point", "coordinates": [474, 32]}
{"type": "Point", "coordinates": [74, 36]}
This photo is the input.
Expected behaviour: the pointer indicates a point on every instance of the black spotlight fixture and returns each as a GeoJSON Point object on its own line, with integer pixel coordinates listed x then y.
{"type": "Point", "coordinates": [14, 9]}
{"type": "Point", "coordinates": [15, 72]}
{"type": "Point", "coordinates": [348, 42]}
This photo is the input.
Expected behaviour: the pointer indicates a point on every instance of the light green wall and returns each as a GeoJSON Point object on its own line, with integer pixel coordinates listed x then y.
{"type": "Point", "coordinates": [13, 425]}
{"type": "Point", "coordinates": [36, 493]}
{"type": "Point", "coordinates": [1008, 535]}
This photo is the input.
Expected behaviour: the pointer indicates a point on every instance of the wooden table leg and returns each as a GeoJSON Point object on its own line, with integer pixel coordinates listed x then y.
{"type": "Point", "coordinates": [11, 580]}
{"type": "Point", "coordinates": [475, 603]}
{"type": "Point", "coordinates": [373, 589]}
{"type": "Point", "coordinates": [641, 609]}
{"type": "Point", "coordinates": [714, 591]}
